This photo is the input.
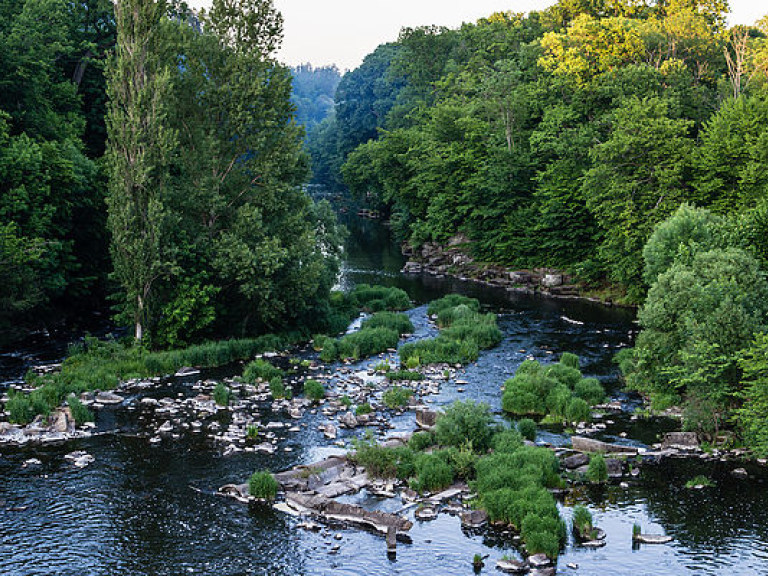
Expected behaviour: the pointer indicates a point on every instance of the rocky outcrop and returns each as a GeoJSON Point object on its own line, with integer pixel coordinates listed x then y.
{"type": "Point", "coordinates": [680, 441]}
{"type": "Point", "coordinates": [582, 444]}
{"type": "Point", "coordinates": [452, 259]}
{"type": "Point", "coordinates": [330, 509]}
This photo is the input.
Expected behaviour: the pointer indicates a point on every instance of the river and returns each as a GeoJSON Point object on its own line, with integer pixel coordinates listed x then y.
{"type": "Point", "coordinates": [152, 510]}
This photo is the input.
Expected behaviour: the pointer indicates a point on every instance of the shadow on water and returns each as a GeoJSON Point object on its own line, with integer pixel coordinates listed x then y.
{"type": "Point", "coordinates": [141, 509]}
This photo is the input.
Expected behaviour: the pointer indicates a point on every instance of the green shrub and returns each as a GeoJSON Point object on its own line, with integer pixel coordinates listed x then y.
{"type": "Point", "coordinates": [221, 394]}
{"type": "Point", "coordinates": [420, 441]}
{"type": "Point", "coordinates": [261, 369]}
{"type": "Point", "coordinates": [452, 302]}
{"type": "Point", "coordinates": [590, 390]}
{"type": "Point", "coordinates": [557, 401]}
{"type": "Point", "coordinates": [398, 322]}
{"type": "Point", "coordinates": [463, 460]}
{"type": "Point", "coordinates": [507, 441]}
{"type": "Point", "coordinates": [277, 388]}
{"type": "Point", "coordinates": [363, 409]}
{"type": "Point", "coordinates": [465, 422]}
{"type": "Point", "coordinates": [80, 413]}
{"type": "Point", "coordinates": [366, 342]}
{"type": "Point", "coordinates": [381, 462]}
{"type": "Point", "coordinates": [582, 521]}
{"type": "Point", "coordinates": [263, 485]}
{"type": "Point", "coordinates": [597, 471]}
{"type": "Point", "coordinates": [314, 390]}
{"type": "Point", "coordinates": [526, 393]}
{"type": "Point", "coordinates": [397, 397]}
{"type": "Point", "coordinates": [570, 360]}
{"type": "Point", "coordinates": [252, 431]}
{"type": "Point", "coordinates": [563, 374]}
{"type": "Point", "coordinates": [439, 350]}
{"type": "Point", "coordinates": [578, 411]}
{"type": "Point", "coordinates": [500, 470]}
{"type": "Point", "coordinates": [543, 534]}
{"type": "Point", "coordinates": [433, 473]}
{"type": "Point", "coordinates": [346, 401]}
{"type": "Point", "coordinates": [481, 330]}
{"type": "Point", "coordinates": [527, 429]}
{"type": "Point", "coordinates": [378, 298]}
{"type": "Point", "coordinates": [413, 362]}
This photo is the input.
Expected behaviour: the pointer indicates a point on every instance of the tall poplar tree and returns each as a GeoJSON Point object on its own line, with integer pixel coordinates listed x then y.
{"type": "Point", "coordinates": [138, 150]}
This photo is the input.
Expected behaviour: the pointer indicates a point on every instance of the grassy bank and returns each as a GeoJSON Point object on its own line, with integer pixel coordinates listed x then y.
{"type": "Point", "coordinates": [102, 365]}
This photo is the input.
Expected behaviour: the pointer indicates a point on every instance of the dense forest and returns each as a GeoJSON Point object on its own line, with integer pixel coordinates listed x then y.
{"type": "Point", "coordinates": [151, 154]}
{"type": "Point", "coordinates": [155, 157]}
{"type": "Point", "coordinates": [623, 141]}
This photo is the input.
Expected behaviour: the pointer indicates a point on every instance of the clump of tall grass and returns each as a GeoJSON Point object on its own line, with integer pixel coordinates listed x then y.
{"type": "Point", "coordinates": [464, 332]}
{"type": "Point", "coordinates": [263, 485]}
{"type": "Point", "coordinates": [261, 369]}
{"type": "Point", "coordinates": [556, 390]}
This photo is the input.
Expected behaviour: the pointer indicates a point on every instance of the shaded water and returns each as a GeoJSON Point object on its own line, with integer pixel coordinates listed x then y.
{"type": "Point", "coordinates": [140, 509]}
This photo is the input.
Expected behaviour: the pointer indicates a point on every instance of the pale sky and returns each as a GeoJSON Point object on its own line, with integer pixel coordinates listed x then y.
{"type": "Point", "coordinates": [343, 32]}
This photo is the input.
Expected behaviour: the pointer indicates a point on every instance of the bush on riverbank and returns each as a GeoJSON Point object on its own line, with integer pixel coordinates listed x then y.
{"type": "Point", "coordinates": [404, 375]}
{"type": "Point", "coordinates": [597, 471]}
{"type": "Point", "coordinates": [263, 485]}
{"type": "Point", "coordinates": [556, 390]}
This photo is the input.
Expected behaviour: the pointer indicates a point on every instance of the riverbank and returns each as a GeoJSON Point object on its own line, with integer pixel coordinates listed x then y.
{"type": "Point", "coordinates": [452, 260]}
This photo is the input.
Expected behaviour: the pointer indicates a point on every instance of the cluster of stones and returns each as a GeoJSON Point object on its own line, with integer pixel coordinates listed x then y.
{"type": "Point", "coordinates": [451, 259]}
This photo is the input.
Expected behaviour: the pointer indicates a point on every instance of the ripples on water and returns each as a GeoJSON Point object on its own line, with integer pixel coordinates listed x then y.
{"type": "Point", "coordinates": [141, 510]}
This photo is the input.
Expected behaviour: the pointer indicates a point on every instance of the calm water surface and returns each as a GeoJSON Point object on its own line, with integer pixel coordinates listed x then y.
{"type": "Point", "coordinates": [143, 510]}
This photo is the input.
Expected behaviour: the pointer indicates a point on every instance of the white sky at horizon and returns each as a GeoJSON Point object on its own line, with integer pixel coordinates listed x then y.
{"type": "Point", "coordinates": [343, 32]}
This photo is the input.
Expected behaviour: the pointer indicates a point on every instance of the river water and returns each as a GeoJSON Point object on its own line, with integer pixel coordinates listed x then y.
{"type": "Point", "coordinates": [152, 510]}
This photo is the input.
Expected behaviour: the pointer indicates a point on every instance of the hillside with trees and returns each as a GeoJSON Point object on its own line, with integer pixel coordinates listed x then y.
{"type": "Point", "coordinates": [623, 142]}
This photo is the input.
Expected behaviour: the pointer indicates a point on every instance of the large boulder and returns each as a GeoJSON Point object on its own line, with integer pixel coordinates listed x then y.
{"type": "Point", "coordinates": [109, 398]}
{"type": "Point", "coordinates": [474, 518]}
{"type": "Point", "coordinates": [583, 444]}
{"type": "Point", "coordinates": [680, 441]}
{"type": "Point", "coordinates": [426, 418]}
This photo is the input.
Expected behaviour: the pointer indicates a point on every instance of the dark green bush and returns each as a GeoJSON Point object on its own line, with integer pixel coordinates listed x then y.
{"type": "Point", "coordinates": [80, 413]}
{"type": "Point", "coordinates": [526, 393]}
{"type": "Point", "coordinates": [450, 302]}
{"type": "Point", "coordinates": [381, 462]}
{"type": "Point", "coordinates": [543, 534]}
{"type": "Point", "coordinates": [578, 411]}
{"type": "Point", "coordinates": [420, 441]}
{"type": "Point", "coordinates": [570, 360]}
{"type": "Point", "coordinates": [557, 401]}
{"type": "Point", "coordinates": [394, 321]}
{"type": "Point", "coordinates": [397, 397]}
{"type": "Point", "coordinates": [582, 522]}
{"type": "Point", "coordinates": [563, 374]}
{"type": "Point", "coordinates": [597, 471]}
{"type": "Point", "coordinates": [261, 369]}
{"type": "Point", "coordinates": [363, 409]}
{"type": "Point", "coordinates": [465, 422]}
{"type": "Point", "coordinates": [507, 441]}
{"type": "Point", "coordinates": [527, 429]}
{"type": "Point", "coordinates": [379, 298]}
{"type": "Point", "coordinates": [221, 394]}
{"type": "Point", "coordinates": [432, 473]}
{"type": "Point", "coordinates": [366, 342]}
{"type": "Point", "coordinates": [277, 388]}
{"type": "Point", "coordinates": [314, 390]}
{"type": "Point", "coordinates": [439, 350]}
{"type": "Point", "coordinates": [590, 390]}
{"type": "Point", "coordinates": [482, 330]}
{"type": "Point", "coordinates": [263, 485]}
